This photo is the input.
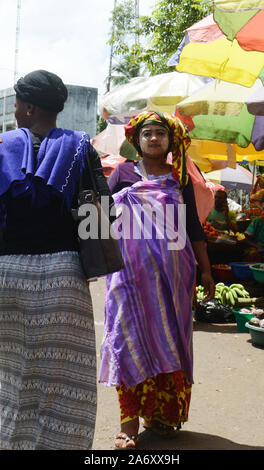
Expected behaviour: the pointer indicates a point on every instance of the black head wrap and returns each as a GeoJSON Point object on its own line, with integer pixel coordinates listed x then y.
{"type": "Point", "coordinates": [43, 89]}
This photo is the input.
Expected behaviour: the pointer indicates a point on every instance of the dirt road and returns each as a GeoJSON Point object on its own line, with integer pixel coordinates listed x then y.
{"type": "Point", "coordinates": [227, 410]}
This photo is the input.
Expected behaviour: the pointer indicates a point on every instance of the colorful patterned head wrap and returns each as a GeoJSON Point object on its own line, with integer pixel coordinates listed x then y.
{"type": "Point", "coordinates": [179, 139]}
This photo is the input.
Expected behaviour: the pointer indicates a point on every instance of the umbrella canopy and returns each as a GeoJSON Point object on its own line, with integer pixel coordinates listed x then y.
{"type": "Point", "coordinates": [255, 100]}
{"type": "Point", "coordinates": [205, 30]}
{"type": "Point", "coordinates": [224, 60]}
{"type": "Point", "coordinates": [238, 178]}
{"type": "Point", "coordinates": [207, 49]}
{"type": "Point", "coordinates": [242, 20]}
{"type": "Point", "coordinates": [223, 152]}
{"type": "Point", "coordinates": [160, 93]}
{"type": "Point", "coordinates": [218, 112]}
{"type": "Point", "coordinates": [219, 97]}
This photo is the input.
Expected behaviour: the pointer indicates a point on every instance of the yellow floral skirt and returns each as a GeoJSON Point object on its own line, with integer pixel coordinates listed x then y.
{"type": "Point", "coordinates": [164, 398]}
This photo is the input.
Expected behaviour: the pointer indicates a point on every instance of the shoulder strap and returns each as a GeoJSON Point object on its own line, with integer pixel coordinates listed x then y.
{"type": "Point", "coordinates": [90, 170]}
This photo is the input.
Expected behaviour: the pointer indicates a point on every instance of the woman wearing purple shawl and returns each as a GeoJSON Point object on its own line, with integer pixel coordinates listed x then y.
{"type": "Point", "coordinates": [146, 350]}
{"type": "Point", "coordinates": [47, 341]}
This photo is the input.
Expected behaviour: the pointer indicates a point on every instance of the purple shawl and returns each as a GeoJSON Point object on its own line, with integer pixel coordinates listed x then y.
{"type": "Point", "coordinates": [148, 310]}
{"type": "Point", "coordinates": [58, 164]}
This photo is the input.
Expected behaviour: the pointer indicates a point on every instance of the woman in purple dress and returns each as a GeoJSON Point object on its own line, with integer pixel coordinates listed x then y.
{"type": "Point", "coordinates": [147, 350]}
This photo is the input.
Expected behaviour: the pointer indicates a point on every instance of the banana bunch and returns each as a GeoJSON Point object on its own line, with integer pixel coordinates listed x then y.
{"type": "Point", "coordinates": [200, 295]}
{"type": "Point", "coordinates": [240, 236]}
{"type": "Point", "coordinates": [230, 295]}
{"type": "Point", "coordinates": [226, 295]}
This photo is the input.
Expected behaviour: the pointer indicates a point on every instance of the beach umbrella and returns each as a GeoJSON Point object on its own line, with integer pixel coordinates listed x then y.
{"type": "Point", "coordinates": [223, 152]}
{"type": "Point", "coordinates": [255, 100]}
{"type": "Point", "coordinates": [242, 20]}
{"type": "Point", "coordinates": [238, 178]}
{"type": "Point", "coordinates": [159, 93]}
{"type": "Point", "coordinates": [205, 30]}
{"type": "Point", "coordinates": [219, 112]}
{"type": "Point", "coordinates": [223, 58]}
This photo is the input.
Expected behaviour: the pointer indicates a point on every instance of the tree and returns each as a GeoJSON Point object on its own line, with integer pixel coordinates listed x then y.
{"type": "Point", "coordinates": [160, 34]}
{"type": "Point", "coordinates": [124, 70]}
{"type": "Point", "coordinates": [166, 28]}
{"type": "Point", "coordinates": [124, 38]}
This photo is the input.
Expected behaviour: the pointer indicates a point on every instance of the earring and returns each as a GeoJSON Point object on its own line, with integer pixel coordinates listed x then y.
{"type": "Point", "coordinates": [28, 113]}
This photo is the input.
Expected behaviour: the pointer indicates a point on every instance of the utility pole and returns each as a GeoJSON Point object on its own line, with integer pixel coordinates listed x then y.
{"type": "Point", "coordinates": [111, 56]}
{"type": "Point", "coordinates": [136, 10]}
{"type": "Point", "coordinates": [17, 40]}
{"type": "Point", "coordinates": [136, 21]}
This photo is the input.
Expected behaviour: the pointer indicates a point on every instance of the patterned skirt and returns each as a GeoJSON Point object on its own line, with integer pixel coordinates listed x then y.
{"type": "Point", "coordinates": [47, 354]}
{"type": "Point", "coordinates": [164, 398]}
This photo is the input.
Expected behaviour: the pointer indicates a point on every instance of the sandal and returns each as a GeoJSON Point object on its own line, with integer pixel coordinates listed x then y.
{"type": "Point", "coordinates": [162, 429]}
{"type": "Point", "coordinates": [130, 441]}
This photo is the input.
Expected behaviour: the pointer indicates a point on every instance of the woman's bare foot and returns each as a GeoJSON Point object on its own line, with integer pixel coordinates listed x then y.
{"type": "Point", "coordinates": [128, 436]}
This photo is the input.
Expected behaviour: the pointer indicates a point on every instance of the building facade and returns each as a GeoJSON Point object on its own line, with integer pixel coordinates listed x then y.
{"type": "Point", "coordinates": [7, 115]}
{"type": "Point", "coordinates": [79, 113]}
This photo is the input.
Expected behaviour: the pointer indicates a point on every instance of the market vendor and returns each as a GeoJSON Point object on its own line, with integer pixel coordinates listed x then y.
{"type": "Point", "coordinates": [255, 231]}
{"type": "Point", "coordinates": [219, 217]}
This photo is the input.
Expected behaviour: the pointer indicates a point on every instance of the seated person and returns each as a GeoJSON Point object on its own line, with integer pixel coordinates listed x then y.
{"type": "Point", "coordinates": [255, 231]}
{"type": "Point", "coordinates": [219, 217]}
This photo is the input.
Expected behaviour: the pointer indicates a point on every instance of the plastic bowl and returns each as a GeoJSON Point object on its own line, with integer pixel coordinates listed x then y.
{"type": "Point", "coordinates": [257, 272]}
{"type": "Point", "coordinates": [242, 318]}
{"type": "Point", "coordinates": [223, 273]}
{"type": "Point", "coordinates": [256, 333]}
{"type": "Point", "coordinates": [242, 270]}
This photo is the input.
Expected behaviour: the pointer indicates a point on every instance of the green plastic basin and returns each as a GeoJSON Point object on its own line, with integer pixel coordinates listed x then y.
{"type": "Point", "coordinates": [258, 273]}
{"type": "Point", "coordinates": [242, 318]}
{"type": "Point", "coordinates": [256, 333]}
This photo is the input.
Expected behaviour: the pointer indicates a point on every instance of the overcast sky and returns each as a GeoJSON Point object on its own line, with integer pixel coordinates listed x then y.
{"type": "Point", "coordinates": [67, 37]}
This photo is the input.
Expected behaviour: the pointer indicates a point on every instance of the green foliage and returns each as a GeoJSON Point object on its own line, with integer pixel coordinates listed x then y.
{"type": "Point", "coordinates": [166, 29]}
{"type": "Point", "coordinates": [150, 40]}
{"type": "Point", "coordinates": [101, 124]}
{"type": "Point", "coordinates": [124, 70]}
{"type": "Point", "coordinates": [125, 27]}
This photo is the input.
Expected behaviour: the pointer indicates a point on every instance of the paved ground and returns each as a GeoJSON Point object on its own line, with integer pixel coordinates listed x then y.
{"type": "Point", "coordinates": [227, 407]}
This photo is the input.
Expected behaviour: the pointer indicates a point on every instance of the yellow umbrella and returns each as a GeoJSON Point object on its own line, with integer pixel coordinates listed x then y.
{"type": "Point", "coordinates": [222, 59]}
{"type": "Point", "coordinates": [238, 56]}
{"type": "Point", "coordinates": [231, 153]}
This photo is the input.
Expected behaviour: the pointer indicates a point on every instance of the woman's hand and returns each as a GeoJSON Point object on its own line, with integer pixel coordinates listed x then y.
{"type": "Point", "coordinates": [200, 252]}
{"type": "Point", "coordinates": [209, 286]}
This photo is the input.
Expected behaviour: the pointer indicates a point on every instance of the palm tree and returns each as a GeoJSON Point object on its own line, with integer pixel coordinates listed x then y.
{"type": "Point", "coordinates": [124, 70]}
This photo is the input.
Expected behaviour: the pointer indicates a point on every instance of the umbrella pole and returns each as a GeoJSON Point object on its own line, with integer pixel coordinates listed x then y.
{"type": "Point", "coordinates": [254, 171]}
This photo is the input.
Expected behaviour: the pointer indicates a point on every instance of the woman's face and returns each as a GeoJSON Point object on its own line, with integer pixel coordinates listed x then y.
{"type": "Point", "coordinates": [220, 200]}
{"type": "Point", "coordinates": [154, 141]}
{"type": "Point", "coordinates": [22, 113]}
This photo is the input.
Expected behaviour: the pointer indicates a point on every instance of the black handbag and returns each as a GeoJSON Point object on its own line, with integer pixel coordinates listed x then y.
{"type": "Point", "coordinates": [99, 254]}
